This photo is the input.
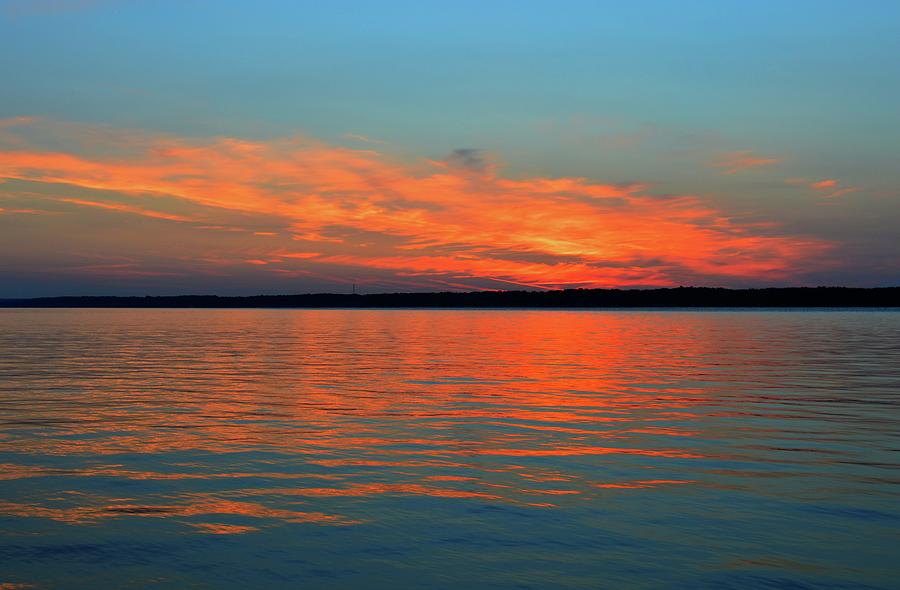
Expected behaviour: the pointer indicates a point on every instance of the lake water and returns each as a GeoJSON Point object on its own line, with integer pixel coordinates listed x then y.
{"type": "Point", "coordinates": [449, 449]}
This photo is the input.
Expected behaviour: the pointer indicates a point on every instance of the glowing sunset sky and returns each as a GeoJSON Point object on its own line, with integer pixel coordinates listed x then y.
{"type": "Point", "coordinates": [279, 147]}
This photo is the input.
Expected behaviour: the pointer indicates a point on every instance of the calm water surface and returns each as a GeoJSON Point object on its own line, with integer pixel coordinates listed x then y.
{"type": "Point", "coordinates": [449, 449]}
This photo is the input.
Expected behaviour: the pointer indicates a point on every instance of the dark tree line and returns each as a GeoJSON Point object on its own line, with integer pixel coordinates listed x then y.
{"type": "Point", "coordinates": [568, 298]}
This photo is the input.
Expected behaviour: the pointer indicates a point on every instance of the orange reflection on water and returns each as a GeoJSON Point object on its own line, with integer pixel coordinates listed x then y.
{"type": "Point", "coordinates": [212, 528]}
{"type": "Point", "coordinates": [491, 406]}
{"type": "Point", "coordinates": [202, 506]}
{"type": "Point", "coordinates": [373, 489]}
{"type": "Point", "coordinates": [645, 483]}
{"type": "Point", "coordinates": [479, 440]}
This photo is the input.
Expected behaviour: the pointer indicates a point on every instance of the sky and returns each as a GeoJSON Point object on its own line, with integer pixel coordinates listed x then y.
{"type": "Point", "coordinates": [221, 147]}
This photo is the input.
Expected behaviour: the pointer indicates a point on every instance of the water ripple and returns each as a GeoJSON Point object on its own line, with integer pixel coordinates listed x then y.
{"type": "Point", "coordinates": [393, 448]}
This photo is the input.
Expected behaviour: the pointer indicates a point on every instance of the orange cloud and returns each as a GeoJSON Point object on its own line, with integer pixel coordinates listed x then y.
{"type": "Point", "coordinates": [24, 212]}
{"type": "Point", "coordinates": [824, 185]}
{"type": "Point", "coordinates": [843, 191]}
{"type": "Point", "coordinates": [456, 220]}
{"type": "Point", "coordinates": [126, 209]}
{"type": "Point", "coordinates": [828, 185]}
{"type": "Point", "coordinates": [734, 162]}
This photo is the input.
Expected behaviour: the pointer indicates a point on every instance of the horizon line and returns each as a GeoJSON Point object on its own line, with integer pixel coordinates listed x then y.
{"type": "Point", "coordinates": [683, 296]}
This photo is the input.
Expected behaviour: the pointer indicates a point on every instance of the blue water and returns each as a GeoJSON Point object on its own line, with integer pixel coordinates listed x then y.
{"type": "Point", "coordinates": [449, 449]}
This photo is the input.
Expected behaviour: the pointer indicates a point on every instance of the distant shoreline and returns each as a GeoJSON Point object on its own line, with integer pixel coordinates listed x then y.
{"type": "Point", "coordinates": [678, 297]}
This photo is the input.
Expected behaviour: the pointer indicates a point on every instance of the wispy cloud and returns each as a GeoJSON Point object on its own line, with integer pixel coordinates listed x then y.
{"type": "Point", "coordinates": [470, 159]}
{"type": "Point", "coordinates": [126, 209]}
{"type": "Point", "coordinates": [828, 188]}
{"type": "Point", "coordinates": [362, 138]}
{"type": "Point", "coordinates": [13, 121]}
{"type": "Point", "coordinates": [824, 184]}
{"type": "Point", "coordinates": [734, 162]}
{"type": "Point", "coordinates": [341, 211]}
